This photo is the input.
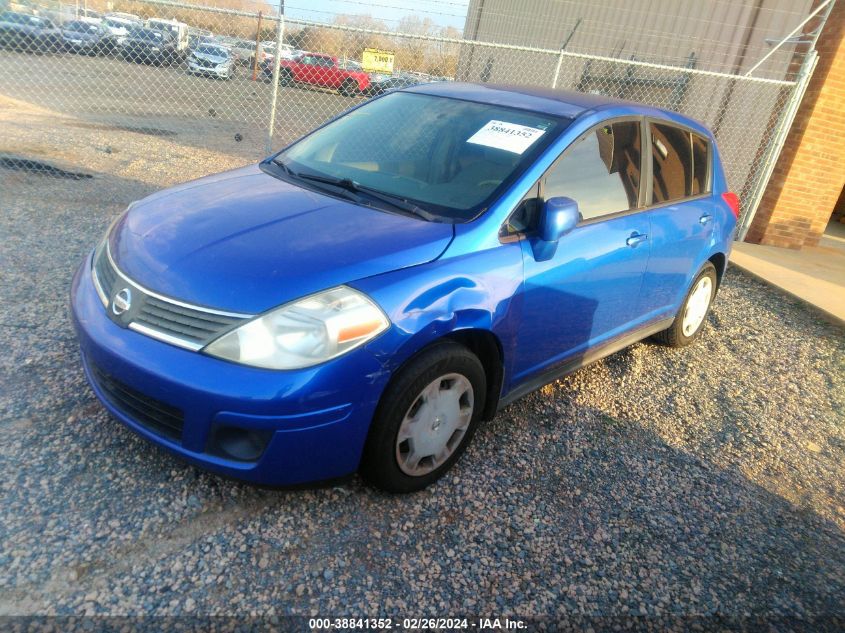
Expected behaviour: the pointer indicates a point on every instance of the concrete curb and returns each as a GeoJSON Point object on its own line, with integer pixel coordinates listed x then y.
{"type": "Point", "coordinates": [825, 314]}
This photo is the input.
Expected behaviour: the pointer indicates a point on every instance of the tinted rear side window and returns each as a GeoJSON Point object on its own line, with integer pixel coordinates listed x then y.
{"type": "Point", "coordinates": [601, 171]}
{"type": "Point", "coordinates": [671, 153]}
{"type": "Point", "coordinates": [700, 164]}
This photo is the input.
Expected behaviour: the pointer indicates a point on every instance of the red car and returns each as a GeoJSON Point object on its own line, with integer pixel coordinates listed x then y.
{"type": "Point", "coordinates": [317, 69]}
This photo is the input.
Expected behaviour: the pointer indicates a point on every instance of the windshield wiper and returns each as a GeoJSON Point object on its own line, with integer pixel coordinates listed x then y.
{"type": "Point", "coordinates": [395, 201]}
{"type": "Point", "coordinates": [349, 194]}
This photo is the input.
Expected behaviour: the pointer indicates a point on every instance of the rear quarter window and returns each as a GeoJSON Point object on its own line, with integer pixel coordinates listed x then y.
{"type": "Point", "coordinates": [680, 163]}
{"type": "Point", "coordinates": [700, 165]}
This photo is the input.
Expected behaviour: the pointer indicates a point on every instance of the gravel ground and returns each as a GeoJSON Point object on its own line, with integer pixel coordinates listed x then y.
{"type": "Point", "coordinates": [664, 482]}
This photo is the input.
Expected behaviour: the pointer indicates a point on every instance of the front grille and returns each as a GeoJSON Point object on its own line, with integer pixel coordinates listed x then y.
{"type": "Point", "coordinates": [186, 323]}
{"type": "Point", "coordinates": [106, 275]}
{"type": "Point", "coordinates": [187, 326]}
{"type": "Point", "coordinates": [159, 417]}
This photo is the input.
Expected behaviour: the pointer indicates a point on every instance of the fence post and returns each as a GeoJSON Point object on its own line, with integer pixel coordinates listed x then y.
{"type": "Point", "coordinates": [277, 58]}
{"type": "Point", "coordinates": [776, 145]}
{"type": "Point", "coordinates": [557, 68]}
{"type": "Point", "coordinates": [563, 48]}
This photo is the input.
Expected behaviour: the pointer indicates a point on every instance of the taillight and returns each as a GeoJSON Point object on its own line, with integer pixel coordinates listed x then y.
{"type": "Point", "coordinates": [733, 202]}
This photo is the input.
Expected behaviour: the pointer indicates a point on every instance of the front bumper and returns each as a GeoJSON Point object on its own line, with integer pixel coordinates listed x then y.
{"type": "Point", "coordinates": [214, 71]}
{"type": "Point", "coordinates": [314, 421]}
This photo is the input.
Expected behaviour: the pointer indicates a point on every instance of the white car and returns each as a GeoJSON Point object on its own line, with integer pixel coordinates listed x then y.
{"type": "Point", "coordinates": [118, 28]}
{"type": "Point", "coordinates": [288, 51]}
{"type": "Point", "coordinates": [125, 16]}
{"type": "Point", "coordinates": [211, 60]}
{"type": "Point", "coordinates": [175, 29]}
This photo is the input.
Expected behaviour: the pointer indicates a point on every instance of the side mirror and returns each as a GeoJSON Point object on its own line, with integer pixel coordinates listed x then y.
{"type": "Point", "coordinates": [557, 218]}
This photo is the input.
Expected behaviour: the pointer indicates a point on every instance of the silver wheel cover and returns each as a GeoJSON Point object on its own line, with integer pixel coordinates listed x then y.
{"type": "Point", "coordinates": [435, 425]}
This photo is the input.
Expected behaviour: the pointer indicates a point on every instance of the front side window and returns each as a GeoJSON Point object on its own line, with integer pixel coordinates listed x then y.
{"type": "Point", "coordinates": [600, 171]}
{"type": "Point", "coordinates": [447, 155]}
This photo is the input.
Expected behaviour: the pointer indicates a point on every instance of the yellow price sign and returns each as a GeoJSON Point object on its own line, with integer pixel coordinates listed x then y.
{"type": "Point", "coordinates": [377, 61]}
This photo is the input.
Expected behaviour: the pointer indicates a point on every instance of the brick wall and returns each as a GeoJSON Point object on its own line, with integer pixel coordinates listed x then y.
{"type": "Point", "coordinates": [810, 173]}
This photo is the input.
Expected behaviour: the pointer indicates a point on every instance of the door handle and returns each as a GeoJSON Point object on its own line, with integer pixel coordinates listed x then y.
{"type": "Point", "coordinates": [635, 239]}
{"type": "Point", "coordinates": [704, 219]}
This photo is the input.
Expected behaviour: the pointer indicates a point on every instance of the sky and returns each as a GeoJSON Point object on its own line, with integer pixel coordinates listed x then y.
{"type": "Point", "coordinates": [442, 12]}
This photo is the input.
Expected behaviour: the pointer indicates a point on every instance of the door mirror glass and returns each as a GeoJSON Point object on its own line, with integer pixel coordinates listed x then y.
{"type": "Point", "coordinates": [557, 218]}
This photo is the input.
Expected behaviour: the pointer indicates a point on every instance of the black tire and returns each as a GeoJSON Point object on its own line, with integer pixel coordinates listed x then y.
{"type": "Point", "coordinates": [379, 465]}
{"type": "Point", "coordinates": [349, 88]}
{"type": "Point", "coordinates": [674, 335]}
{"type": "Point", "coordinates": [285, 78]}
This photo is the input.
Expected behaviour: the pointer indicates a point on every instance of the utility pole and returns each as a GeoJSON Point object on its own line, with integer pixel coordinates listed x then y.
{"type": "Point", "coordinates": [258, 48]}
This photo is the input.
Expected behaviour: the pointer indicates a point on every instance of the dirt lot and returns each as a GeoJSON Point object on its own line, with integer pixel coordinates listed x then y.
{"type": "Point", "coordinates": [701, 482]}
{"type": "Point", "coordinates": [204, 112]}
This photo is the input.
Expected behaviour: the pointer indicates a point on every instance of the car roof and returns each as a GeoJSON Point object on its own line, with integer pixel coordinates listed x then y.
{"type": "Point", "coordinates": [563, 103]}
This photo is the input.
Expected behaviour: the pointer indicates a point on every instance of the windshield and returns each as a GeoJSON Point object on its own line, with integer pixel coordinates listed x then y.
{"type": "Point", "coordinates": [81, 27]}
{"type": "Point", "coordinates": [216, 51]}
{"type": "Point", "coordinates": [448, 156]}
{"type": "Point", "coordinates": [148, 34]}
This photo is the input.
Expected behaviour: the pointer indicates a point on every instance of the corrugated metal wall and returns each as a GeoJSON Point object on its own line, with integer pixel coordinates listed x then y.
{"type": "Point", "coordinates": [721, 36]}
{"type": "Point", "coordinates": [725, 35]}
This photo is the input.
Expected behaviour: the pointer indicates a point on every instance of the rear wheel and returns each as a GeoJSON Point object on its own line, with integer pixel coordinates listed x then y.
{"type": "Point", "coordinates": [689, 321]}
{"type": "Point", "coordinates": [285, 78]}
{"type": "Point", "coordinates": [425, 419]}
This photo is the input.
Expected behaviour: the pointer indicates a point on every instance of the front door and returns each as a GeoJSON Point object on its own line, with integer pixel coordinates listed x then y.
{"type": "Point", "coordinates": [588, 291]}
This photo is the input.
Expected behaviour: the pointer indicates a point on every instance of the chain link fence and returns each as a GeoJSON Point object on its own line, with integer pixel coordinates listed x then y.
{"type": "Point", "coordinates": [208, 77]}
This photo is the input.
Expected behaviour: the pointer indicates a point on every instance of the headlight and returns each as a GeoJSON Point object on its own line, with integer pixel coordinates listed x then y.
{"type": "Point", "coordinates": [304, 333]}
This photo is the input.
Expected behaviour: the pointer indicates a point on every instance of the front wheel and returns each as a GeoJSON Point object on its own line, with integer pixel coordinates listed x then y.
{"type": "Point", "coordinates": [689, 321]}
{"type": "Point", "coordinates": [425, 420]}
{"type": "Point", "coordinates": [349, 88]}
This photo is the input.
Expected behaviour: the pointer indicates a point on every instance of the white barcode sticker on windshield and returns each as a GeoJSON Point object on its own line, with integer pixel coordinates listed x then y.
{"type": "Point", "coordinates": [510, 137]}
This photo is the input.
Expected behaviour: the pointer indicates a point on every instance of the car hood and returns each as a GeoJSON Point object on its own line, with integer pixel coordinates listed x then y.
{"type": "Point", "coordinates": [245, 241]}
{"type": "Point", "coordinates": [215, 59]}
{"type": "Point", "coordinates": [75, 35]}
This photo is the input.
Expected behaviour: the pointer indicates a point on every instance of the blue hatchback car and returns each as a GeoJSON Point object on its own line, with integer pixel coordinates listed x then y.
{"type": "Point", "coordinates": [361, 300]}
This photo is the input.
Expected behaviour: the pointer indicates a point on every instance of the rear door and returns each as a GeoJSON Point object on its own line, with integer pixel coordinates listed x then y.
{"type": "Point", "coordinates": [681, 213]}
{"type": "Point", "coordinates": [588, 291]}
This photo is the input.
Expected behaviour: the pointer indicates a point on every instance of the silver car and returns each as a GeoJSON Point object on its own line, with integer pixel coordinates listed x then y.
{"type": "Point", "coordinates": [212, 60]}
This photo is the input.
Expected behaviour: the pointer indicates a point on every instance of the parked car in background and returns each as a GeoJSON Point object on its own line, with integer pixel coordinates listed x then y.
{"type": "Point", "coordinates": [211, 60]}
{"type": "Point", "coordinates": [379, 84]}
{"type": "Point", "coordinates": [200, 36]}
{"type": "Point", "coordinates": [150, 46]}
{"type": "Point", "coordinates": [84, 36]}
{"type": "Point", "coordinates": [446, 249]}
{"type": "Point", "coordinates": [119, 26]}
{"type": "Point", "coordinates": [128, 17]}
{"type": "Point", "coordinates": [317, 69]}
{"type": "Point", "coordinates": [288, 51]}
{"type": "Point", "coordinates": [178, 32]}
{"type": "Point", "coordinates": [88, 13]}
{"type": "Point", "coordinates": [244, 51]}
{"type": "Point", "coordinates": [30, 33]}
{"type": "Point", "coordinates": [351, 64]}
